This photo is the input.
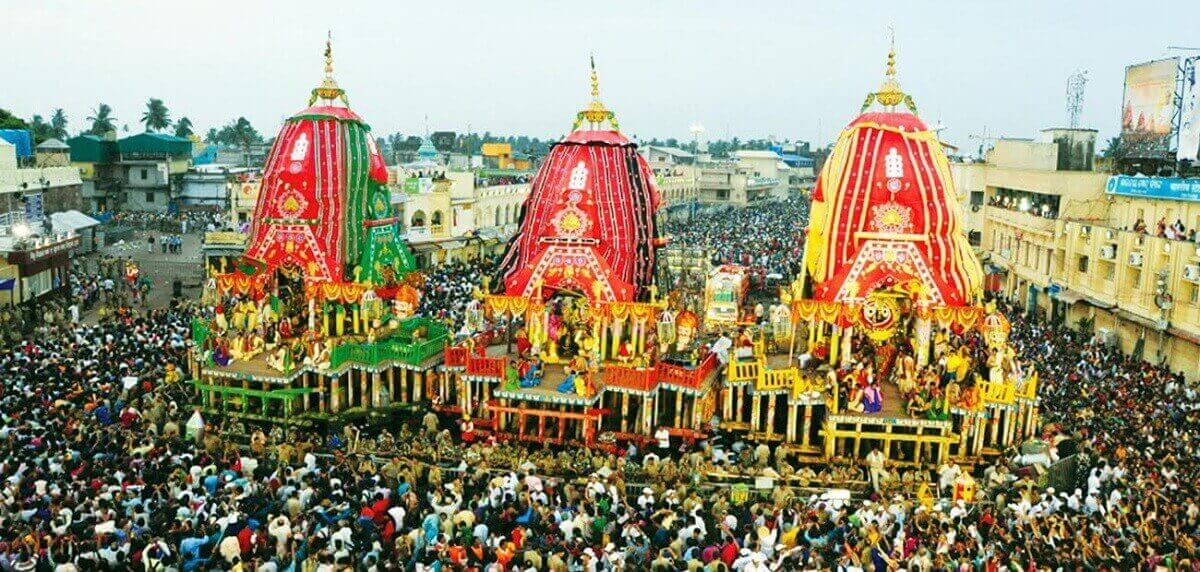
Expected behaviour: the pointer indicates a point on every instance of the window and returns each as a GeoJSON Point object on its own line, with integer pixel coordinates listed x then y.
{"type": "Point", "coordinates": [976, 198]}
{"type": "Point", "coordinates": [436, 221]}
{"type": "Point", "coordinates": [418, 219]}
{"type": "Point", "coordinates": [1083, 264]}
{"type": "Point", "coordinates": [145, 174]}
{"type": "Point", "coordinates": [150, 197]}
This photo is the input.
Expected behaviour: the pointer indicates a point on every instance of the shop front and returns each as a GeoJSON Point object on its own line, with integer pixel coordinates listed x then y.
{"type": "Point", "coordinates": [35, 272]}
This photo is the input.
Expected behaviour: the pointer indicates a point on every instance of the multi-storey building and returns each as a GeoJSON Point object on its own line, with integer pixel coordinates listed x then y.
{"type": "Point", "coordinates": [39, 224]}
{"type": "Point", "coordinates": [749, 176]}
{"type": "Point", "coordinates": [141, 172]}
{"type": "Point", "coordinates": [455, 215]}
{"type": "Point", "coordinates": [1115, 255]}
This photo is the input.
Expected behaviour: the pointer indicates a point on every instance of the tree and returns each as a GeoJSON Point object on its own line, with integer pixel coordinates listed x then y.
{"type": "Point", "coordinates": [103, 120]}
{"type": "Point", "coordinates": [10, 121]}
{"type": "Point", "coordinates": [241, 134]}
{"type": "Point", "coordinates": [58, 123]}
{"type": "Point", "coordinates": [40, 129]}
{"type": "Point", "coordinates": [1114, 150]}
{"type": "Point", "coordinates": [156, 116]}
{"type": "Point", "coordinates": [183, 127]}
{"type": "Point", "coordinates": [212, 137]}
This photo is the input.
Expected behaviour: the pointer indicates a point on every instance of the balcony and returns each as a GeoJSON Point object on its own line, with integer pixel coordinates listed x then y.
{"type": "Point", "coordinates": [1020, 220]}
{"type": "Point", "coordinates": [758, 183]}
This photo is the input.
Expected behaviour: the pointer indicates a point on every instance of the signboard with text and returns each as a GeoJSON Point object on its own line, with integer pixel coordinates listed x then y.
{"type": "Point", "coordinates": [1154, 188]}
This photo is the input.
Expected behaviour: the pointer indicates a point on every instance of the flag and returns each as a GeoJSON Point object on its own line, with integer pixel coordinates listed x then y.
{"type": "Point", "coordinates": [8, 284]}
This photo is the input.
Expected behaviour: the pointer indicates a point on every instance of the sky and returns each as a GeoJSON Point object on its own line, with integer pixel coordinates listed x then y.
{"type": "Point", "coordinates": [750, 69]}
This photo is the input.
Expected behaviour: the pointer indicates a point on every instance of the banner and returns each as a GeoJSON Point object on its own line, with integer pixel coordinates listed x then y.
{"type": "Point", "coordinates": [1148, 107]}
{"type": "Point", "coordinates": [1154, 187]}
{"type": "Point", "coordinates": [1189, 114]}
{"type": "Point", "coordinates": [420, 185]}
{"type": "Point", "coordinates": [34, 210]}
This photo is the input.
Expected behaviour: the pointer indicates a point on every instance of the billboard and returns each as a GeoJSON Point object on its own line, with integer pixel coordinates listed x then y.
{"type": "Point", "coordinates": [1148, 107]}
{"type": "Point", "coordinates": [1189, 113]}
{"type": "Point", "coordinates": [1154, 187]}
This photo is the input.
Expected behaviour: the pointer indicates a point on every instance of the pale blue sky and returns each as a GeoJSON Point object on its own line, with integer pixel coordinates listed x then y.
{"type": "Point", "coordinates": [749, 68]}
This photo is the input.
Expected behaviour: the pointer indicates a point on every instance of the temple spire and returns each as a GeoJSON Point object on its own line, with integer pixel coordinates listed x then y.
{"type": "Point", "coordinates": [889, 94]}
{"type": "Point", "coordinates": [328, 91]}
{"type": "Point", "coordinates": [595, 113]}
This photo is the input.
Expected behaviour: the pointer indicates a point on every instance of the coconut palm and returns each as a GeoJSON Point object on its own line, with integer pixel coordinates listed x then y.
{"type": "Point", "coordinates": [102, 120]}
{"type": "Point", "coordinates": [58, 123]}
{"type": "Point", "coordinates": [40, 129]}
{"type": "Point", "coordinates": [183, 127]}
{"type": "Point", "coordinates": [245, 135]}
{"type": "Point", "coordinates": [156, 117]}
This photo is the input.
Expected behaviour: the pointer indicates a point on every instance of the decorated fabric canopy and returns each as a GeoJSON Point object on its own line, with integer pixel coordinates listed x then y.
{"type": "Point", "coordinates": [588, 225]}
{"type": "Point", "coordinates": [325, 207]}
{"type": "Point", "coordinates": [885, 215]}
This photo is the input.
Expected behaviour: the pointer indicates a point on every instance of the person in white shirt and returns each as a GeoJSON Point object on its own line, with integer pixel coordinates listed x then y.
{"type": "Point", "coordinates": [663, 436]}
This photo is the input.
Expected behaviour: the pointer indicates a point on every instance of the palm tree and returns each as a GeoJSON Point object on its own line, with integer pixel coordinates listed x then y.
{"type": "Point", "coordinates": [183, 127]}
{"type": "Point", "coordinates": [1114, 150]}
{"type": "Point", "coordinates": [102, 120]}
{"type": "Point", "coordinates": [58, 123]}
{"type": "Point", "coordinates": [245, 135]}
{"type": "Point", "coordinates": [213, 136]}
{"type": "Point", "coordinates": [156, 116]}
{"type": "Point", "coordinates": [40, 129]}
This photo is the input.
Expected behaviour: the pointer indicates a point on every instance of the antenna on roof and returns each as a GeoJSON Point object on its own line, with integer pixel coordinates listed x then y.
{"type": "Point", "coordinates": [1076, 84]}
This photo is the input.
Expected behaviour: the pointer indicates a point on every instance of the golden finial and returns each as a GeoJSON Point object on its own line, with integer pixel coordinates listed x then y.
{"type": "Point", "coordinates": [890, 95]}
{"type": "Point", "coordinates": [329, 54]}
{"type": "Point", "coordinates": [891, 59]}
{"type": "Point", "coordinates": [595, 113]}
{"type": "Point", "coordinates": [595, 80]}
{"type": "Point", "coordinates": [328, 90]}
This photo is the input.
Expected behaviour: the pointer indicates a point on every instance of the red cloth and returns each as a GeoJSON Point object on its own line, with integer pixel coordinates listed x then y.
{"type": "Point", "coordinates": [603, 229]}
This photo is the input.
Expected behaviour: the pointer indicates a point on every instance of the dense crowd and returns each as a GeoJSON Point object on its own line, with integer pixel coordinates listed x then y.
{"type": "Point", "coordinates": [107, 466]}
{"type": "Point", "coordinates": [184, 222]}
{"type": "Point", "coordinates": [448, 289]}
{"type": "Point", "coordinates": [767, 237]}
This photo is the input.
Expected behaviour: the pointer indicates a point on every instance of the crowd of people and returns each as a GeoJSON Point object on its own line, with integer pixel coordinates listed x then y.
{"type": "Point", "coordinates": [107, 465]}
{"type": "Point", "coordinates": [166, 221]}
{"type": "Point", "coordinates": [766, 237]}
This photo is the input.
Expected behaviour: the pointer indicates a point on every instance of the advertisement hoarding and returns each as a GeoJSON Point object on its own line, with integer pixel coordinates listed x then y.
{"type": "Point", "coordinates": [1148, 108]}
{"type": "Point", "coordinates": [1189, 114]}
{"type": "Point", "coordinates": [1154, 187]}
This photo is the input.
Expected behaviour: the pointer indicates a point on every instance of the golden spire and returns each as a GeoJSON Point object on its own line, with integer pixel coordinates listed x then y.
{"type": "Point", "coordinates": [595, 81]}
{"type": "Point", "coordinates": [595, 113]}
{"type": "Point", "coordinates": [328, 91]}
{"type": "Point", "coordinates": [890, 95]}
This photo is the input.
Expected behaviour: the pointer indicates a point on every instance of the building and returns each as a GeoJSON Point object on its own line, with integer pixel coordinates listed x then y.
{"type": "Point", "coordinates": [213, 187]}
{"type": "Point", "coordinates": [98, 161]}
{"type": "Point", "coordinates": [1093, 250]}
{"type": "Point", "coordinates": [52, 153]}
{"type": "Point", "coordinates": [455, 215]}
{"type": "Point", "coordinates": [152, 165]}
{"type": "Point", "coordinates": [502, 156]}
{"type": "Point", "coordinates": [141, 172]}
{"type": "Point", "coordinates": [35, 244]}
{"type": "Point", "coordinates": [676, 176]}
